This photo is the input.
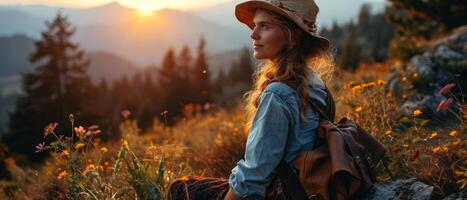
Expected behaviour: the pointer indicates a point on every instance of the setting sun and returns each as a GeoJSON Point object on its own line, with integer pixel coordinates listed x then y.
{"type": "Point", "coordinates": [145, 11]}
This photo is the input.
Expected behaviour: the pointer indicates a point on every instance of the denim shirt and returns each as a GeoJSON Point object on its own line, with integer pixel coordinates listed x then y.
{"type": "Point", "coordinates": [277, 132]}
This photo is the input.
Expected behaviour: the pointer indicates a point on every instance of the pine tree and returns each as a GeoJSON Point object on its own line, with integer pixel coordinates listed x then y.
{"type": "Point", "coordinates": [58, 87]}
{"type": "Point", "coordinates": [201, 76]}
{"type": "Point", "coordinates": [170, 83]}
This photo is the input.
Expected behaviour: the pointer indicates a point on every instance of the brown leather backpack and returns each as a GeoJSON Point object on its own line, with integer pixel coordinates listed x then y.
{"type": "Point", "coordinates": [341, 167]}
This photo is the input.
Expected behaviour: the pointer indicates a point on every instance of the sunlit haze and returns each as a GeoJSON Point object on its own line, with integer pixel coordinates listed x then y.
{"type": "Point", "coordinates": [144, 6]}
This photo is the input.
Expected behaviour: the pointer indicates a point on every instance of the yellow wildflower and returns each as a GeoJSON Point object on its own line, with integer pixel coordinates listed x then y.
{"type": "Point", "coordinates": [454, 133]}
{"type": "Point", "coordinates": [417, 112]}
{"type": "Point", "coordinates": [125, 144]}
{"type": "Point", "coordinates": [358, 109]}
{"type": "Point", "coordinates": [104, 150]}
{"type": "Point", "coordinates": [79, 145]}
{"type": "Point", "coordinates": [62, 174]}
{"type": "Point", "coordinates": [388, 132]}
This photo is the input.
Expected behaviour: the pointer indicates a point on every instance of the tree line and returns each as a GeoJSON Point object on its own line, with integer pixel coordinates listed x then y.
{"type": "Point", "coordinates": [60, 86]}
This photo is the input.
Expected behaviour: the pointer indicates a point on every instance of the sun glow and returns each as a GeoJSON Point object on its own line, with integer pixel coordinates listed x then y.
{"type": "Point", "coordinates": [145, 11]}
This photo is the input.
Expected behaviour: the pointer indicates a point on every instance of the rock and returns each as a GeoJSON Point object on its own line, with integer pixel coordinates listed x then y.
{"type": "Point", "coordinates": [422, 65]}
{"type": "Point", "coordinates": [457, 196]}
{"type": "Point", "coordinates": [445, 53]}
{"type": "Point", "coordinates": [401, 189]}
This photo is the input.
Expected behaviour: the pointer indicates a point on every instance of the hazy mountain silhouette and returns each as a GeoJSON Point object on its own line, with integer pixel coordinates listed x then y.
{"type": "Point", "coordinates": [124, 31]}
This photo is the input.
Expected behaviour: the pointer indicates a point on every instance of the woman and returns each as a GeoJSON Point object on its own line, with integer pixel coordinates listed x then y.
{"type": "Point", "coordinates": [281, 124]}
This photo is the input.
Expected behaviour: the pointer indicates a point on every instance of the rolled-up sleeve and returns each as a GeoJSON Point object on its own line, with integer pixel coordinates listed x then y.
{"type": "Point", "coordinates": [265, 146]}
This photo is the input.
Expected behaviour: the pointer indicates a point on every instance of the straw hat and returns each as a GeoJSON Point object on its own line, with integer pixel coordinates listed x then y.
{"type": "Point", "coordinates": [302, 12]}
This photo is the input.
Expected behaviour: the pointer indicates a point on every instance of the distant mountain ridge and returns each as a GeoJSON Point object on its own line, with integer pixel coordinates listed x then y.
{"type": "Point", "coordinates": [124, 31]}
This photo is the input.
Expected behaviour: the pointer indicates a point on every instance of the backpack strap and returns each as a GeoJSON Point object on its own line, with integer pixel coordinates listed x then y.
{"type": "Point", "coordinates": [293, 189]}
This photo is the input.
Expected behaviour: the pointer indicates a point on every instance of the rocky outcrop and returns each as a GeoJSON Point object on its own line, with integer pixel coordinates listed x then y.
{"type": "Point", "coordinates": [444, 61]}
{"type": "Point", "coordinates": [401, 189]}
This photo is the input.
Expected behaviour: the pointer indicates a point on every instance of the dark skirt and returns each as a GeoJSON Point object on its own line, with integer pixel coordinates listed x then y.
{"type": "Point", "coordinates": [203, 188]}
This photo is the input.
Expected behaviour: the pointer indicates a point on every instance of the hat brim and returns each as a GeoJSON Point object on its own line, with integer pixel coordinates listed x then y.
{"type": "Point", "coordinates": [245, 12]}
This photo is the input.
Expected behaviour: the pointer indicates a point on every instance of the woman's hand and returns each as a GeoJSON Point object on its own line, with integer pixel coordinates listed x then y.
{"type": "Point", "coordinates": [231, 195]}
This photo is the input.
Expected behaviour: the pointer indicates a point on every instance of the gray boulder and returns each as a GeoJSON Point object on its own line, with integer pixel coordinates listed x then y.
{"type": "Point", "coordinates": [401, 189]}
{"type": "Point", "coordinates": [462, 195]}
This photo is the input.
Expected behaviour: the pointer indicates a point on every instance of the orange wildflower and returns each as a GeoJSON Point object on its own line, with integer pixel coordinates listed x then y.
{"type": "Point", "coordinates": [417, 112]}
{"type": "Point", "coordinates": [358, 109]}
{"type": "Point", "coordinates": [381, 82]}
{"type": "Point", "coordinates": [103, 150]}
{"type": "Point", "coordinates": [184, 178]}
{"type": "Point", "coordinates": [436, 149]}
{"type": "Point", "coordinates": [433, 135]}
{"type": "Point", "coordinates": [454, 133]}
{"type": "Point", "coordinates": [62, 174]}
{"type": "Point", "coordinates": [64, 153]}
{"type": "Point", "coordinates": [444, 149]}
{"type": "Point", "coordinates": [357, 89]}
{"type": "Point", "coordinates": [405, 145]}
{"type": "Point", "coordinates": [79, 145]}
{"type": "Point", "coordinates": [456, 143]}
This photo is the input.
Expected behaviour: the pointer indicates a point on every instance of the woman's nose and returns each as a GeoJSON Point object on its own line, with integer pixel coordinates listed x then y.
{"type": "Point", "coordinates": [254, 35]}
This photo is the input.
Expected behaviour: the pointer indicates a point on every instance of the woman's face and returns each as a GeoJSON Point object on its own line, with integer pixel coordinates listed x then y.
{"type": "Point", "coordinates": [268, 36]}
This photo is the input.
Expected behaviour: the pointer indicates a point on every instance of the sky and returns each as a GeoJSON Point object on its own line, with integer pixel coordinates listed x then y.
{"type": "Point", "coordinates": [143, 5]}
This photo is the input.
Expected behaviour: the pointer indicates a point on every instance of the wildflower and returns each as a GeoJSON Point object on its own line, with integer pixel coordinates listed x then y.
{"type": "Point", "coordinates": [79, 145]}
{"type": "Point", "coordinates": [358, 109]}
{"type": "Point", "coordinates": [64, 153]}
{"type": "Point", "coordinates": [405, 145]}
{"type": "Point", "coordinates": [125, 113]}
{"type": "Point", "coordinates": [433, 135]}
{"type": "Point", "coordinates": [444, 149]}
{"type": "Point", "coordinates": [79, 131]}
{"type": "Point", "coordinates": [125, 144]}
{"type": "Point", "coordinates": [454, 133]}
{"type": "Point", "coordinates": [40, 147]}
{"type": "Point", "coordinates": [151, 148]}
{"type": "Point", "coordinates": [380, 82]}
{"type": "Point", "coordinates": [404, 78]}
{"type": "Point", "coordinates": [357, 89]}
{"type": "Point", "coordinates": [62, 174]}
{"type": "Point", "coordinates": [369, 85]}
{"type": "Point", "coordinates": [49, 129]}
{"type": "Point", "coordinates": [184, 178]}
{"type": "Point", "coordinates": [103, 150]}
{"type": "Point", "coordinates": [444, 104]}
{"type": "Point", "coordinates": [106, 163]}
{"type": "Point", "coordinates": [436, 149]}
{"type": "Point", "coordinates": [446, 89]}
{"type": "Point", "coordinates": [415, 75]}
{"type": "Point", "coordinates": [90, 167]}
{"type": "Point", "coordinates": [456, 143]}
{"type": "Point", "coordinates": [388, 132]}
{"type": "Point", "coordinates": [417, 112]}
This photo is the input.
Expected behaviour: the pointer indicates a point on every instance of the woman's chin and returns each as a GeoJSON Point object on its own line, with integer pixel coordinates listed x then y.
{"type": "Point", "coordinates": [258, 56]}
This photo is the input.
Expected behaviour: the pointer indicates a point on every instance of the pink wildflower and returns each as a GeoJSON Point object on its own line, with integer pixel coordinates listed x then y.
{"type": "Point", "coordinates": [40, 147]}
{"type": "Point", "coordinates": [446, 89]}
{"type": "Point", "coordinates": [444, 104]}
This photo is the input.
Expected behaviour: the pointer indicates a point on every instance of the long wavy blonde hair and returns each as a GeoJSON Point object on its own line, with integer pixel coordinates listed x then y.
{"type": "Point", "coordinates": [291, 65]}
